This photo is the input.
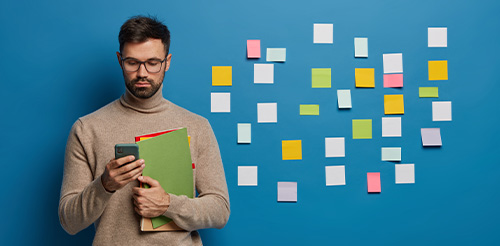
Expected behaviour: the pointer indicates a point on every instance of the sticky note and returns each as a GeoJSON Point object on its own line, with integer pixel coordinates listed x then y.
{"type": "Point", "coordinates": [244, 133]}
{"type": "Point", "coordinates": [291, 149]}
{"type": "Point", "coordinates": [391, 154]}
{"type": "Point", "coordinates": [220, 102]}
{"type": "Point", "coordinates": [360, 47]}
{"type": "Point", "coordinates": [276, 55]}
{"type": "Point", "coordinates": [365, 77]}
{"type": "Point", "coordinates": [309, 109]}
{"type": "Point", "coordinates": [437, 37]}
{"type": "Point", "coordinates": [362, 129]}
{"type": "Point", "coordinates": [335, 147]}
{"type": "Point", "coordinates": [267, 112]}
{"type": "Point", "coordinates": [344, 98]}
{"type": "Point", "coordinates": [393, 63]}
{"type": "Point", "coordinates": [222, 76]}
{"type": "Point", "coordinates": [247, 175]}
{"type": "Point", "coordinates": [373, 180]}
{"type": "Point", "coordinates": [263, 73]}
{"type": "Point", "coordinates": [428, 92]}
{"type": "Point", "coordinates": [405, 173]}
{"type": "Point", "coordinates": [287, 191]}
{"type": "Point", "coordinates": [393, 80]}
{"type": "Point", "coordinates": [431, 136]}
{"type": "Point", "coordinates": [438, 70]}
{"type": "Point", "coordinates": [323, 33]}
{"type": "Point", "coordinates": [253, 48]}
{"type": "Point", "coordinates": [394, 104]}
{"type": "Point", "coordinates": [441, 111]}
{"type": "Point", "coordinates": [391, 126]}
{"type": "Point", "coordinates": [335, 175]}
{"type": "Point", "coordinates": [321, 77]}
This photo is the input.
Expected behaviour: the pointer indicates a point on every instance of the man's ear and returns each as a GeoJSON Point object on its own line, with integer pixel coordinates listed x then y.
{"type": "Point", "coordinates": [167, 65]}
{"type": "Point", "coordinates": [119, 57]}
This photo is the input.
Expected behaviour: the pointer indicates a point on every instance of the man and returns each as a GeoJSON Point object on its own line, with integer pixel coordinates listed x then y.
{"type": "Point", "coordinates": [106, 193]}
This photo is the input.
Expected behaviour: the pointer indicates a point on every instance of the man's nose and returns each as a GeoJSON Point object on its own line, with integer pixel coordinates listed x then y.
{"type": "Point", "coordinates": [142, 72]}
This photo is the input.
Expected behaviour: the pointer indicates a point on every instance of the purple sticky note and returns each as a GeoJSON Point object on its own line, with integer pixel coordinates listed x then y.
{"type": "Point", "coordinates": [287, 191]}
{"type": "Point", "coordinates": [431, 137]}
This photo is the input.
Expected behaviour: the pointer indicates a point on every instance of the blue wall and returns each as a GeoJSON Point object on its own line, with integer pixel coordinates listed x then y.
{"type": "Point", "coordinates": [58, 63]}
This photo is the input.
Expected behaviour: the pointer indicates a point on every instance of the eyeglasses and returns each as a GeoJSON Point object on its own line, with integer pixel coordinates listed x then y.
{"type": "Point", "coordinates": [151, 65]}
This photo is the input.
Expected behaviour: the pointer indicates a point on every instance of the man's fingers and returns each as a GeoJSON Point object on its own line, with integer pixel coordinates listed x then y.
{"type": "Point", "coordinates": [123, 160]}
{"type": "Point", "coordinates": [130, 166]}
{"type": "Point", "coordinates": [149, 180]}
{"type": "Point", "coordinates": [131, 175]}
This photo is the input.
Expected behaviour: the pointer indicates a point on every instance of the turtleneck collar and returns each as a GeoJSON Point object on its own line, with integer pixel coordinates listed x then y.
{"type": "Point", "coordinates": [153, 104]}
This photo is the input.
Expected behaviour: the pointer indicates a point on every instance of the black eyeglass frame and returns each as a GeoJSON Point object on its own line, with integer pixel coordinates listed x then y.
{"type": "Point", "coordinates": [142, 63]}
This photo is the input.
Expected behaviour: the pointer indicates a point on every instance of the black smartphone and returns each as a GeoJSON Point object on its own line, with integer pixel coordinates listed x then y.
{"type": "Point", "coordinates": [122, 150]}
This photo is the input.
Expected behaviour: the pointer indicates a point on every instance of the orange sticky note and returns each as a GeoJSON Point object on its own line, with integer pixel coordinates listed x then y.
{"type": "Point", "coordinates": [438, 70]}
{"type": "Point", "coordinates": [394, 104]}
{"type": "Point", "coordinates": [393, 80]}
{"type": "Point", "coordinates": [291, 149]}
{"type": "Point", "coordinates": [373, 180]}
{"type": "Point", "coordinates": [253, 48]}
{"type": "Point", "coordinates": [222, 76]}
{"type": "Point", "coordinates": [365, 77]}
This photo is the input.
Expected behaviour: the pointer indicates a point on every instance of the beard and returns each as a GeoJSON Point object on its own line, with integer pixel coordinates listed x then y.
{"type": "Point", "coordinates": [143, 92]}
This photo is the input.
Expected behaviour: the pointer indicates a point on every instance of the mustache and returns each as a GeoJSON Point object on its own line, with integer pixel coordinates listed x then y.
{"type": "Point", "coordinates": [142, 79]}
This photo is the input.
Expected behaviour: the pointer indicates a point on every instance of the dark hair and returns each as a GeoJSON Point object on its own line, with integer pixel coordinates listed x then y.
{"type": "Point", "coordinates": [140, 28]}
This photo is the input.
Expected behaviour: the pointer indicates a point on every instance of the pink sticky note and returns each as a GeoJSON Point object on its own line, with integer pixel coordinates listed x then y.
{"type": "Point", "coordinates": [253, 48]}
{"type": "Point", "coordinates": [393, 80]}
{"type": "Point", "coordinates": [373, 180]}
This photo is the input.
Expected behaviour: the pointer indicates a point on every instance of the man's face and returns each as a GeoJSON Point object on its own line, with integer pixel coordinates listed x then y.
{"type": "Point", "coordinates": [141, 83]}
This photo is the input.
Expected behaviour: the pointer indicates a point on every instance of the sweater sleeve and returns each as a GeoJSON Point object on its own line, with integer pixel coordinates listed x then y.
{"type": "Point", "coordinates": [83, 198]}
{"type": "Point", "coordinates": [211, 208]}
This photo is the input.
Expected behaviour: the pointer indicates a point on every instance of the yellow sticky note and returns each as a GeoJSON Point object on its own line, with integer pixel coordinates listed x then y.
{"type": "Point", "coordinates": [222, 76]}
{"type": "Point", "coordinates": [291, 149]}
{"type": "Point", "coordinates": [438, 70]}
{"type": "Point", "coordinates": [365, 77]}
{"type": "Point", "coordinates": [394, 104]}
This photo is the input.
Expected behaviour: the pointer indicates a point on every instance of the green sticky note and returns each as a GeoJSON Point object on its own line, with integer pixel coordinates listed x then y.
{"type": "Point", "coordinates": [321, 78]}
{"type": "Point", "coordinates": [391, 154]}
{"type": "Point", "coordinates": [362, 129]}
{"type": "Point", "coordinates": [309, 109]}
{"type": "Point", "coordinates": [244, 133]}
{"type": "Point", "coordinates": [428, 92]}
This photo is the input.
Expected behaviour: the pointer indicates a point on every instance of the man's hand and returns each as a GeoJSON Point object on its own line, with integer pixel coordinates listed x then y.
{"type": "Point", "coordinates": [150, 202]}
{"type": "Point", "coordinates": [116, 174]}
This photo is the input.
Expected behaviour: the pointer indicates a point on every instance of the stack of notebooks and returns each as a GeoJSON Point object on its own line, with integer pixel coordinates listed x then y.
{"type": "Point", "coordinates": [168, 160]}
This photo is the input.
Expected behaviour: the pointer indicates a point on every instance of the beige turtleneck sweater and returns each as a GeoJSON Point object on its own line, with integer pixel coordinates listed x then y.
{"type": "Point", "coordinates": [90, 147]}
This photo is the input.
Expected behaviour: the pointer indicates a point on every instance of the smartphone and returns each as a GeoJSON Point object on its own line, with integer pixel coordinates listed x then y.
{"type": "Point", "coordinates": [122, 150]}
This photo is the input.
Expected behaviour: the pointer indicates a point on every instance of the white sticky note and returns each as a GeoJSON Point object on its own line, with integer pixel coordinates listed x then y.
{"type": "Point", "coordinates": [393, 63]}
{"type": "Point", "coordinates": [323, 33]}
{"type": "Point", "coordinates": [335, 175]}
{"type": "Point", "coordinates": [247, 175]}
{"type": "Point", "coordinates": [263, 73]}
{"type": "Point", "coordinates": [276, 55]}
{"type": "Point", "coordinates": [391, 126]}
{"type": "Point", "coordinates": [391, 154]}
{"type": "Point", "coordinates": [405, 173]}
{"type": "Point", "coordinates": [441, 111]}
{"type": "Point", "coordinates": [267, 112]}
{"type": "Point", "coordinates": [360, 47]}
{"type": "Point", "coordinates": [344, 98]}
{"type": "Point", "coordinates": [287, 191]}
{"type": "Point", "coordinates": [244, 133]}
{"type": "Point", "coordinates": [334, 147]}
{"type": "Point", "coordinates": [437, 37]}
{"type": "Point", "coordinates": [221, 102]}
{"type": "Point", "coordinates": [431, 136]}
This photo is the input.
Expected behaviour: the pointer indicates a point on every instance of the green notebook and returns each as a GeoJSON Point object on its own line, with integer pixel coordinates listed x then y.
{"type": "Point", "coordinates": [168, 160]}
